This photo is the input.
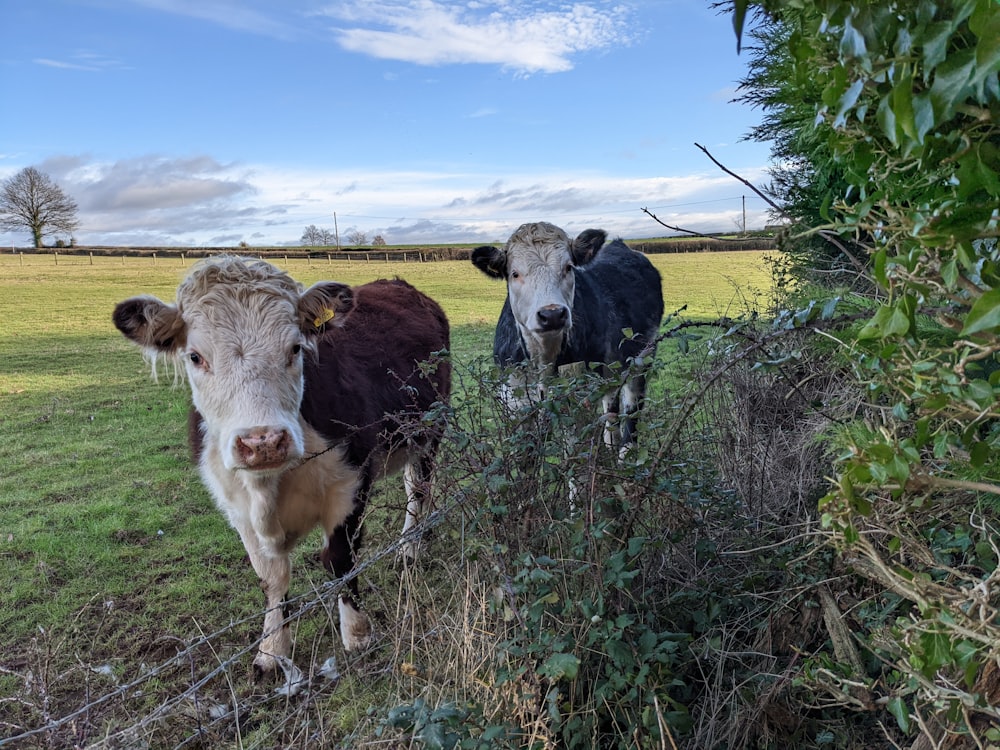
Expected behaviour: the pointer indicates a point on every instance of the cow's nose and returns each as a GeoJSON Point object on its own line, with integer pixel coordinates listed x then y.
{"type": "Point", "coordinates": [552, 317]}
{"type": "Point", "coordinates": [263, 447]}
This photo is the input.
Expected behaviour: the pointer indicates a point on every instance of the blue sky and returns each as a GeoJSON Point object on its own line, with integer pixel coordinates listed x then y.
{"type": "Point", "coordinates": [211, 122]}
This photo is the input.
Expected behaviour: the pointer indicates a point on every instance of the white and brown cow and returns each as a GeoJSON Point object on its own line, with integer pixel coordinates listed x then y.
{"type": "Point", "coordinates": [577, 301]}
{"type": "Point", "coordinates": [302, 398]}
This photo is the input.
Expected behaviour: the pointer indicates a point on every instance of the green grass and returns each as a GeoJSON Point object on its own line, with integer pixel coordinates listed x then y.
{"type": "Point", "coordinates": [111, 552]}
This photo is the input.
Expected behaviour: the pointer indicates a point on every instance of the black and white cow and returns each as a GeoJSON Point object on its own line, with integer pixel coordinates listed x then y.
{"type": "Point", "coordinates": [303, 398]}
{"type": "Point", "coordinates": [580, 300]}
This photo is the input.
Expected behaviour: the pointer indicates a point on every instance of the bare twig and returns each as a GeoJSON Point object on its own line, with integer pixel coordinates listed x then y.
{"type": "Point", "coordinates": [671, 227]}
{"type": "Point", "coordinates": [745, 181]}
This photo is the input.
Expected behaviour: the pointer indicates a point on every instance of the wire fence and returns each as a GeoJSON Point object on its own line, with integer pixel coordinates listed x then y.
{"type": "Point", "coordinates": [316, 256]}
{"type": "Point", "coordinates": [207, 711]}
{"type": "Point", "coordinates": [55, 258]}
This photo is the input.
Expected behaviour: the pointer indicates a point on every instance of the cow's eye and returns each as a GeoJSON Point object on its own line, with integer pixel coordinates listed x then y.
{"type": "Point", "coordinates": [567, 269]}
{"type": "Point", "coordinates": [296, 348]}
{"type": "Point", "coordinates": [515, 275]}
{"type": "Point", "coordinates": [196, 359]}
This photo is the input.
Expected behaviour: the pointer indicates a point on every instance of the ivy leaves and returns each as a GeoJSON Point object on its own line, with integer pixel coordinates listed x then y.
{"type": "Point", "coordinates": [909, 112]}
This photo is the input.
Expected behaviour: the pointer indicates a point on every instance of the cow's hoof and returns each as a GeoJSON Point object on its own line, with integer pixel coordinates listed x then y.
{"type": "Point", "coordinates": [355, 628]}
{"type": "Point", "coordinates": [265, 668]}
{"type": "Point", "coordinates": [408, 555]}
{"type": "Point", "coordinates": [359, 638]}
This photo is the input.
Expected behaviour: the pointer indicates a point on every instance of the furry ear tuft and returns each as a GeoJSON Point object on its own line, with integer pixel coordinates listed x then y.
{"type": "Point", "coordinates": [586, 245]}
{"type": "Point", "coordinates": [490, 260]}
{"type": "Point", "coordinates": [324, 305]}
{"type": "Point", "coordinates": [154, 325]}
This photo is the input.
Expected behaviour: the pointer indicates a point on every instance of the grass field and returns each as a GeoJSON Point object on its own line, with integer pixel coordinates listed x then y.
{"type": "Point", "coordinates": [113, 559]}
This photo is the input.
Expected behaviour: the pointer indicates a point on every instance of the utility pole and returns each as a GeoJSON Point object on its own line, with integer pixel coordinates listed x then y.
{"type": "Point", "coordinates": [744, 216]}
{"type": "Point", "coordinates": [336, 231]}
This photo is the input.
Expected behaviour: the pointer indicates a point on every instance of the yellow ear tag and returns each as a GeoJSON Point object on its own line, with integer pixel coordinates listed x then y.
{"type": "Point", "coordinates": [324, 316]}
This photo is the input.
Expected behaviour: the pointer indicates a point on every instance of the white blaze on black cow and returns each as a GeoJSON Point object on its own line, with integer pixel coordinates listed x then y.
{"type": "Point", "coordinates": [577, 301]}
{"type": "Point", "coordinates": [302, 398]}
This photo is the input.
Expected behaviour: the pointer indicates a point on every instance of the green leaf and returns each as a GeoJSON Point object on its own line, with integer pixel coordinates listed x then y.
{"type": "Point", "coordinates": [936, 44]}
{"type": "Point", "coordinates": [739, 18]}
{"type": "Point", "coordinates": [902, 104]}
{"type": "Point", "coordinates": [887, 120]}
{"type": "Point", "coordinates": [435, 737]}
{"type": "Point", "coordinates": [560, 666]}
{"type": "Point", "coordinates": [829, 308]}
{"type": "Point", "coordinates": [852, 41]}
{"type": "Point", "coordinates": [949, 273]}
{"type": "Point", "coordinates": [824, 207]}
{"type": "Point", "coordinates": [977, 171]}
{"type": "Point", "coordinates": [401, 717]}
{"type": "Point", "coordinates": [985, 24]}
{"type": "Point", "coordinates": [984, 315]}
{"type": "Point", "coordinates": [879, 266]}
{"type": "Point", "coordinates": [889, 320]}
{"type": "Point", "coordinates": [979, 454]}
{"type": "Point", "coordinates": [897, 707]}
{"type": "Point", "coordinates": [951, 82]}
{"type": "Point", "coordinates": [981, 392]}
{"type": "Point", "coordinates": [847, 102]}
{"type": "Point", "coordinates": [937, 648]}
{"type": "Point", "coordinates": [923, 116]}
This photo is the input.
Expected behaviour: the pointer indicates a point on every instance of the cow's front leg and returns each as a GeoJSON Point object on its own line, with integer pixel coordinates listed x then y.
{"type": "Point", "coordinates": [610, 406]}
{"type": "Point", "coordinates": [338, 559]}
{"type": "Point", "coordinates": [417, 480]}
{"type": "Point", "coordinates": [274, 569]}
{"type": "Point", "coordinates": [632, 398]}
{"type": "Point", "coordinates": [264, 517]}
{"type": "Point", "coordinates": [276, 639]}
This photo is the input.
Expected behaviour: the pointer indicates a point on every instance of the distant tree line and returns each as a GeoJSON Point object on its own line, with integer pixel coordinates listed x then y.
{"type": "Point", "coordinates": [315, 236]}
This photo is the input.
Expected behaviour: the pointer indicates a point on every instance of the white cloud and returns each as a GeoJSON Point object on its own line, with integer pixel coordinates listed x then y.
{"type": "Point", "coordinates": [154, 200]}
{"type": "Point", "coordinates": [518, 36]}
{"type": "Point", "coordinates": [84, 60]}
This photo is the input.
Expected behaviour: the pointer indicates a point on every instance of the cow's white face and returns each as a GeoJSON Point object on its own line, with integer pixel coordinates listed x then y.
{"type": "Point", "coordinates": [540, 285]}
{"type": "Point", "coordinates": [241, 329]}
{"type": "Point", "coordinates": [244, 362]}
{"type": "Point", "coordinates": [538, 263]}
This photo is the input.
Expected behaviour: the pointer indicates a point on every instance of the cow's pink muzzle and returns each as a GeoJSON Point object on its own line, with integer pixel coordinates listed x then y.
{"type": "Point", "coordinates": [264, 448]}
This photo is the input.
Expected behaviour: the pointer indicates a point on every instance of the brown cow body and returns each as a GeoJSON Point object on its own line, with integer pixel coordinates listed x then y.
{"type": "Point", "coordinates": [304, 398]}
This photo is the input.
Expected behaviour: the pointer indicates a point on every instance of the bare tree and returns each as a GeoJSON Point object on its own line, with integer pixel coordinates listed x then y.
{"type": "Point", "coordinates": [312, 235]}
{"type": "Point", "coordinates": [357, 238]}
{"type": "Point", "coordinates": [378, 241]}
{"type": "Point", "coordinates": [30, 200]}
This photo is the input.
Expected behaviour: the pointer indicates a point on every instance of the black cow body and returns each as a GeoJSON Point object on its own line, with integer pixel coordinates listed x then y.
{"type": "Point", "coordinates": [577, 301]}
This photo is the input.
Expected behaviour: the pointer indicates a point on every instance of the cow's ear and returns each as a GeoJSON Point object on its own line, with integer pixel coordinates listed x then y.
{"type": "Point", "coordinates": [490, 260]}
{"type": "Point", "coordinates": [324, 305]}
{"type": "Point", "coordinates": [154, 325]}
{"type": "Point", "coordinates": [586, 245]}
